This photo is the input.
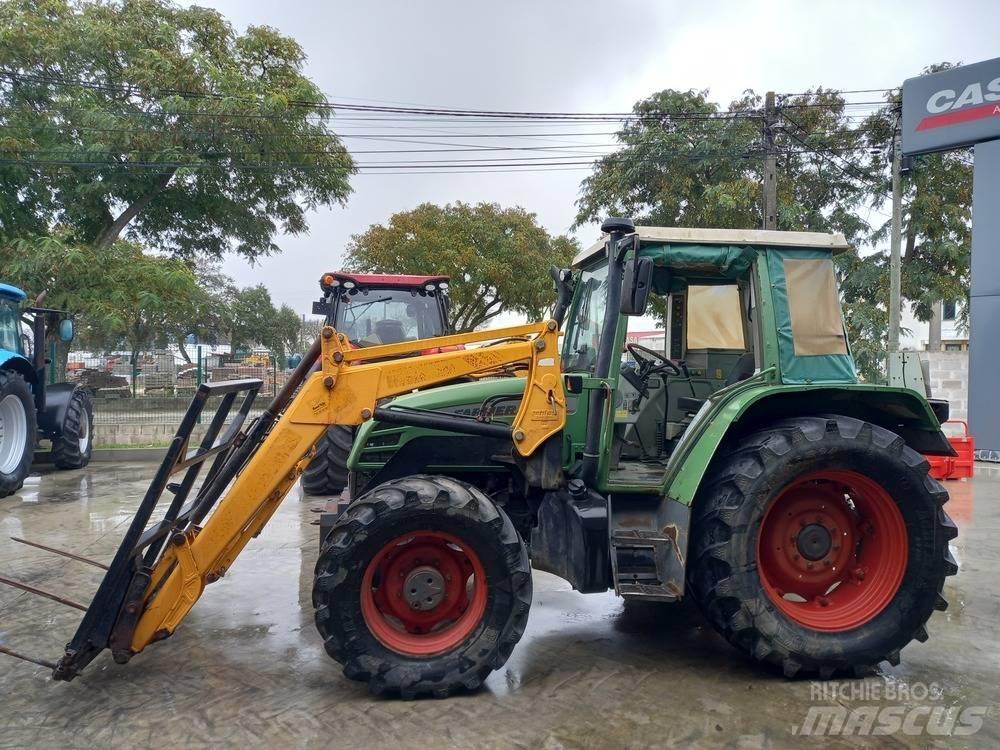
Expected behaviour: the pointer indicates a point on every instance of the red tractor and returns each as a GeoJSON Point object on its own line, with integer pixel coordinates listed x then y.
{"type": "Point", "coordinates": [371, 309]}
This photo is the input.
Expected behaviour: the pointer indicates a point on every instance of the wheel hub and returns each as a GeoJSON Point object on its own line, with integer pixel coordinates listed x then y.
{"type": "Point", "coordinates": [814, 542]}
{"type": "Point", "coordinates": [423, 593]}
{"type": "Point", "coordinates": [832, 549]}
{"type": "Point", "coordinates": [424, 588]}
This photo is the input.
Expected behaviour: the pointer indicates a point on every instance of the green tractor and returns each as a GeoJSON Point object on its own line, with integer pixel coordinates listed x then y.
{"type": "Point", "coordinates": [741, 463]}
{"type": "Point", "coordinates": [30, 408]}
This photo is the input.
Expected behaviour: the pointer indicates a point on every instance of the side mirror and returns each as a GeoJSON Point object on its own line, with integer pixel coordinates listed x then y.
{"type": "Point", "coordinates": [636, 285]}
{"type": "Point", "coordinates": [66, 330]}
{"type": "Point", "coordinates": [563, 278]}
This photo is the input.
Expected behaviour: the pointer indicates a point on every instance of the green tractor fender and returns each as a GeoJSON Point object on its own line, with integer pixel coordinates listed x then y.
{"type": "Point", "coordinates": [751, 405]}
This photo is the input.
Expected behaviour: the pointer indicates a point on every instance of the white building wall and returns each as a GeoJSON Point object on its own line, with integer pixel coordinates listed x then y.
{"type": "Point", "coordinates": [914, 334]}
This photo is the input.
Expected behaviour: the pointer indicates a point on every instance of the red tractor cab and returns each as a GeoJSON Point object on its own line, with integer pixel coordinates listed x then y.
{"type": "Point", "coordinates": [372, 309]}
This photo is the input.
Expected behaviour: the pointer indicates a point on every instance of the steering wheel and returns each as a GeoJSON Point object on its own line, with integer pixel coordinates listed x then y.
{"type": "Point", "coordinates": [651, 361]}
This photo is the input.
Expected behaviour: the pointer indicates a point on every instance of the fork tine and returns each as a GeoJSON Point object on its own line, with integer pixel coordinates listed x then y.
{"type": "Point", "coordinates": [62, 552]}
{"type": "Point", "coordinates": [42, 592]}
{"type": "Point", "coordinates": [33, 660]}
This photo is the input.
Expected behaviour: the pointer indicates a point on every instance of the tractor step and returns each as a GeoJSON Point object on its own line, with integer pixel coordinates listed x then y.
{"type": "Point", "coordinates": [648, 547]}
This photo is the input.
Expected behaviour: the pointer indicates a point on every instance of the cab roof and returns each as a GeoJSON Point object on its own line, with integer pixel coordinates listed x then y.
{"type": "Point", "coordinates": [833, 241]}
{"type": "Point", "coordinates": [396, 281]}
{"type": "Point", "coordinates": [12, 292]}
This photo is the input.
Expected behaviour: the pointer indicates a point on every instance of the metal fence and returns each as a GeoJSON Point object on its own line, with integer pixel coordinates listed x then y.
{"type": "Point", "coordinates": [159, 386]}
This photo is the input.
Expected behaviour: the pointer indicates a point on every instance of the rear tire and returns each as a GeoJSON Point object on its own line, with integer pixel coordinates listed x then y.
{"type": "Point", "coordinates": [17, 431]}
{"type": "Point", "coordinates": [75, 444]}
{"type": "Point", "coordinates": [327, 472]}
{"type": "Point", "coordinates": [429, 529]}
{"type": "Point", "coordinates": [820, 545]}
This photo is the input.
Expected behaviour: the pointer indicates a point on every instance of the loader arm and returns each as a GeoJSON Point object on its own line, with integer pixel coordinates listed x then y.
{"type": "Point", "coordinates": [162, 568]}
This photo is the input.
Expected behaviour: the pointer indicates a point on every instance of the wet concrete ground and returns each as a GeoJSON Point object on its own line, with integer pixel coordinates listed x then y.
{"type": "Point", "coordinates": [247, 668]}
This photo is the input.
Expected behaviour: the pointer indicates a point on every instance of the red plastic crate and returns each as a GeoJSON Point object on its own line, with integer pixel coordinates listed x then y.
{"type": "Point", "coordinates": [960, 466]}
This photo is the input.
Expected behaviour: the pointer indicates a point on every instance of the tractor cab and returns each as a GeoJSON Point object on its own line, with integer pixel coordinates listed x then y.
{"type": "Point", "coordinates": [718, 330]}
{"type": "Point", "coordinates": [12, 337]}
{"type": "Point", "coordinates": [374, 309]}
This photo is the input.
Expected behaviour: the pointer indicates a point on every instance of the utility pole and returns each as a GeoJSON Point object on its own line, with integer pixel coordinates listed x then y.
{"type": "Point", "coordinates": [895, 262]}
{"type": "Point", "coordinates": [770, 165]}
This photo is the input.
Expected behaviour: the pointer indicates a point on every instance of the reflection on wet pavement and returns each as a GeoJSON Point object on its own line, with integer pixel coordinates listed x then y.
{"type": "Point", "coordinates": [247, 667]}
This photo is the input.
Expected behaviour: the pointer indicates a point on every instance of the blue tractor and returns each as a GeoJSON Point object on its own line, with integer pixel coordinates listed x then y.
{"type": "Point", "coordinates": [31, 410]}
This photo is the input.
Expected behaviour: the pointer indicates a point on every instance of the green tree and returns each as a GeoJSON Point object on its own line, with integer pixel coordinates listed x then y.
{"type": "Point", "coordinates": [134, 301]}
{"type": "Point", "coordinates": [256, 321]}
{"type": "Point", "coordinates": [936, 238]}
{"type": "Point", "coordinates": [498, 259]}
{"type": "Point", "coordinates": [684, 162]}
{"type": "Point", "coordinates": [212, 318]}
{"type": "Point", "coordinates": [146, 119]}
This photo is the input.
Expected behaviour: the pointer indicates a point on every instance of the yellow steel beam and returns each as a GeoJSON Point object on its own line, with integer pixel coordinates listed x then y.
{"type": "Point", "coordinates": [345, 391]}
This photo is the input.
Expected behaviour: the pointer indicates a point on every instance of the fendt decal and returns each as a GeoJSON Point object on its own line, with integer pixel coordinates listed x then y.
{"type": "Point", "coordinates": [947, 107]}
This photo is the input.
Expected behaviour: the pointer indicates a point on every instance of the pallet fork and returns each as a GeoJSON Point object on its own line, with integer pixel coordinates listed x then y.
{"type": "Point", "coordinates": [162, 566]}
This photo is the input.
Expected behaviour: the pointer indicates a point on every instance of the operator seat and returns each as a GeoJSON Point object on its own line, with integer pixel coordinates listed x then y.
{"type": "Point", "coordinates": [390, 331]}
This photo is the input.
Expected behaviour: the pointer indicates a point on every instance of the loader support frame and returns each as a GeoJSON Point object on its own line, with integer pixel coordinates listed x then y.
{"type": "Point", "coordinates": [115, 606]}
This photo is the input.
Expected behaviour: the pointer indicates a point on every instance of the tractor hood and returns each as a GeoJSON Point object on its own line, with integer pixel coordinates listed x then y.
{"type": "Point", "coordinates": [376, 442]}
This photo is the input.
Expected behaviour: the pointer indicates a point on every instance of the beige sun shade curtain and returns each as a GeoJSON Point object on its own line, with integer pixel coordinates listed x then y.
{"type": "Point", "coordinates": [713, 317]}
{"type": "Point", "coordinates": [814, 307]}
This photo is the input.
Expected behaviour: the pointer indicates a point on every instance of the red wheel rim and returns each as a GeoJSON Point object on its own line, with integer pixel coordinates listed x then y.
{"type": "Point", "coordinates": [423, 593]}
{"type": "Point", "coordinates": [832, 550]}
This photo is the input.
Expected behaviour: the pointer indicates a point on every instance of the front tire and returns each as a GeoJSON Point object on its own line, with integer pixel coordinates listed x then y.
{"type": "Point", "coordinates": [17, 431]}
{"type": "Point", "coordinates": [327, 472]}
{"type": "Point", "coordinates": [75, 444]}
{"type": "Point", "coordinates": [422, 587]}
{"type": "Point", "coordinates": [820, 545]}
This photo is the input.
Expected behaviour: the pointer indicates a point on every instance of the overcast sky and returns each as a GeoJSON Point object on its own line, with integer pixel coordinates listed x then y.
{"type": "Point", "coordinates": [581, 56]}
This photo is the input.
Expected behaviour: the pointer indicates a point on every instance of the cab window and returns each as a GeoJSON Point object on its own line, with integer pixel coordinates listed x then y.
{"type": "Point", "coordinates": [714, 320]}
{"type": "Point", "coordinates": [10, 326]}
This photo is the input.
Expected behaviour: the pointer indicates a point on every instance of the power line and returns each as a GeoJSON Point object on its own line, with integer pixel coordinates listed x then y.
{"type": "Point", "coordinates": [385, 109]}
{"type": "Point", "coordinates": [827, 155]}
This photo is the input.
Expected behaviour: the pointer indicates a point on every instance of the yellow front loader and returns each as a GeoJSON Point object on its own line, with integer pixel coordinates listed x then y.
{"type": "Point", "coordinates": [168, 556]}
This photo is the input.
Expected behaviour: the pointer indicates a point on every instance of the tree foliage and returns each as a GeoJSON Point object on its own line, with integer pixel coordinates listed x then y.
{"type": "Point", "coordinates": [684, 163]}
{"type": "Point", "coordinates": [498, 259]}
{"type": "Point", "coordinates": [135, 302]}
{"type": "Point", "coordinates": [146, 119]}
{"type": "Point", "coordinates": [254, 320]}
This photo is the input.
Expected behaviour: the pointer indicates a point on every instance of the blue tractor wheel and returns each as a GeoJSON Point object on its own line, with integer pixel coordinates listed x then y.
{"type": "Point", "coordinates": [17, 431]}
